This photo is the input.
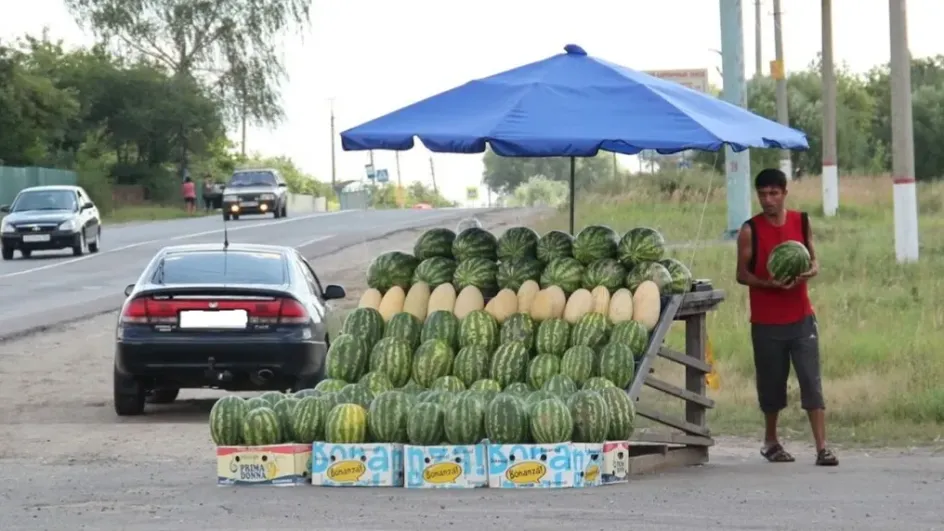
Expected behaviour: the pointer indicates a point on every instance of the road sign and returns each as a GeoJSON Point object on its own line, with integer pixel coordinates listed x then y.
{"type": "Point", "coordinates": [776, 69]}
{"type": "Point", "coordinates": [472, 193]}
{"type": "Point", "coordinates": [382, 176]}
{"type": "Point", "coordinates": [369, 168]}
{"type": "Point", "coordinates": [693, 78]}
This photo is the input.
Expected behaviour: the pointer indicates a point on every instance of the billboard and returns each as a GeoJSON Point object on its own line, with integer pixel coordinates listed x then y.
{"type": "Point", "coordinates": [693, 78]}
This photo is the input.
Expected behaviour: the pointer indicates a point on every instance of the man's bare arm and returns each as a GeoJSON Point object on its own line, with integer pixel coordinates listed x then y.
{"type": "Point", "coordinates": [744, 255]}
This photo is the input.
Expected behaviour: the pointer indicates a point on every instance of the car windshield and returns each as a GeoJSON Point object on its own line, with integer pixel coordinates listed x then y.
{"type": "Point", "coordinates": [221, 267]}
{"type": "Point", "coordinates": [44, 200]}
{"type": "Point", "coordinates": [252, 178]}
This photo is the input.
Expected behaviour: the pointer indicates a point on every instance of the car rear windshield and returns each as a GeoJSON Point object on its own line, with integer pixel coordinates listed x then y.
{"type": "Point", "coordinates": [253, 178]}
{"type": "Point", "coordinates": [219, 267]}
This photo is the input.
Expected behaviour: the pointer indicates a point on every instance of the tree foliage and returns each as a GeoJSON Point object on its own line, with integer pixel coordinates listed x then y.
{"type": "Point", "coordinates": [505, 174]}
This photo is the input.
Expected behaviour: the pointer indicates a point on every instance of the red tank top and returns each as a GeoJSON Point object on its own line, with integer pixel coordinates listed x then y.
{"type": "Point", "coordinates": [774, 305]}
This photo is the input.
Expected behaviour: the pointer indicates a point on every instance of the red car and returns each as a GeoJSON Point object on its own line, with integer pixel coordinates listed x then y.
{"type": "Point", "coordinates": [422, 206]}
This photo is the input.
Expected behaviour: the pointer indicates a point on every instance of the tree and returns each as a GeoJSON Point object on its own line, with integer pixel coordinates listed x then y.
{"type": "Point", "coordinates": [505, 174]}
{"type": "Point", "coordinates": [228, 45]}
{"type": "Point", "coordinates": [297, 180]}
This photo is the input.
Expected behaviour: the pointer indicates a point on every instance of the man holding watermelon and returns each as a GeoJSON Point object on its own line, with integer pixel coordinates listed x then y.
{"type": "Point", "coordinates": [783, 324]}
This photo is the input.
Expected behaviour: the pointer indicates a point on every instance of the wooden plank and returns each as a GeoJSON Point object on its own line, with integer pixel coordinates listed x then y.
{"type": "Point", "coordinates": [655, 343]}
{"type": "Point", "coordinates": [672, 438]}
{"type": "Point", "coordinates": [672, 458]}
{"type": "Point", "coordinates": [678, 424]}
{"type": "Point", "coordinates": [696, 340]}
{"type": "Point", "coordinates": [678, 392]}
{"type": "Point", "coordinates": [688, 361]}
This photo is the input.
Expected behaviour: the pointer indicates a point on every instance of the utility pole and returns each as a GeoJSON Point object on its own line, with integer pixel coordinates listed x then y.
{"type": "Point", "coordinates": [334, 175]}
{"type": "Point", "coordinates": [371, 160]}
{"type": "Point", "coordinates": [903, 163]}
{"type": "Point", "coordinates": [243, 119]}
{"type": "Point", "coordinates": [432, 173]}
{"type": "Point", "coordinates": [397, 155]}
{"type": "Point", "coordinates": [737, 165]}
{"type": "Point", "coordinates": [758, 42]}
{"type": "Point", "coordinates": [780, 75]}
{"type": "Point", "coordinates": [830, 164]}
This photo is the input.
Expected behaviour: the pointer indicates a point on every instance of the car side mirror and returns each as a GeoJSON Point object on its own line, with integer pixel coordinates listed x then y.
{"type": "Point", "coordinates": [334, 292]}
{"type": "Point", "coordinates": [5, 208]}
{"type": "Point", "coordinates": [128, 289]}
{"type": "Point", "coordinates": [283, 185]}
{"type": "Point", "coordinates": [88, 205]}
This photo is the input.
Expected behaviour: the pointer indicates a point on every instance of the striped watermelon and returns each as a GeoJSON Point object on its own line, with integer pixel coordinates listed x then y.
{"type": "Point", "coordinates": [404, 326]}
{"type": "Point", "coordinates": [329, 400]}
{"type": "Point", "coordinates": [365, 323]}
{"type": "Point", "coordinates": [479, 272]}
{"type": "Point", "coordinates": [486, 384]}
{"type": "Point", "coordinates": [347, 358]}
{"type": "Point", "coordinates": [577, 364]}
{"type": "Point", "coordinates": [475, 242]}
{"type": "Point", "coordinates": [285, 411]}
{"type": "Point", "coordinates": [616, 363]}
{"type": "Point", "coordinates": [261, 426]}
{"type": "Point", "coordinates": [387, 417]}
{"type": "Point", "coordinates": [346, 424]}
{"type": "Point", "coordinates": [272, 397]}
{"type": "Point", "coordinates": [592, 330]}
{"type": "Point", "coordinates": [595, 242]}
{"type": "Point", "coordinates": [305, 393]}
{"type": "Point", "coordinates": [447, 383]}
{"type": "Point", "coordinates": [308, 420]}
{"type": "Point", "coordinates": [541, 368]}
{"type": "Point", "coordinates": [555, 244]}
{"type": "Point", "coordinates": [479, 328]}
{"type": "Point", "coordinates": [471, 364]}
{"type": "Point", "coordinates": [537, 396]}
{"type": "Point", "coordinates": [597, 383]}
{"type": "Point", "coordinates": [432, 360]}
{"type": "Point", "coordinates": [567, 273]}
{"type": "Point", "coordinates": [512, 273]}
{"type": "Point", "coordinates": [641, 244]}
{"type": "Point", "coordinates": [518, 243]}
{"type": "Point", "coordinates": [551, 422]}
{"type": "Point", "coordinates": [519, 389]}
{"type": "Point", "coordinates": [435, 271]}
{"type": "Point", "coordinates": [330, 385]}
{"type": "Point", "coordinates": [519, 327]}
{"type": "Point", "coordinates": [412, 388]}
{"type": "Point", "coordinates": [788, 260]}
{"type": "Point", "coordinates": [632, 333]}
{"type": "Point", "coordinates": [653, 271]}
{"type": "Point", "coordinates": [393, 357]}
{"type": "Point", "coordinates": [355, 393]}
{"type": "Point", "coordinates": [680, 274]}
{"type": "Point", "coordinates": [441, 324]}
{"type": "Point", "coordinates": [591, 420]}
{"type": "Point", "coordinates": [561, 385]}
{"type": "Point", "coordinates": [394, 268]}
{"type": "Point", "coordinates": [506, 420]}
{"type": "Point", "coordinates": [425, 424]}
{"type": "Point", "coordinates": [621, 413]}
{"type": "Point", "coordinates": [486, 395]}
{"type": "Point", "coordinates": [256, 402]}
{"type": "Point", "coordinates": [509, 364]}
{"type": "Point", "coordinates": [606, 272]}
{"type": "Point", "coordinates": [464, 420]}
{"type": "Point", "coordinates": [433, 243]}
{"type": "Point", "coordinates": [226, 417]}
{"type": "Point", "coordinates": [553, 337]}
{"type": "Point", "coordinates": [377, 381]}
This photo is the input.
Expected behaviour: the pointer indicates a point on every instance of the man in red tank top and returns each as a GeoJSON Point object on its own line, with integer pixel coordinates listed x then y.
{"type": "Point", "coordinates": [783, 324]}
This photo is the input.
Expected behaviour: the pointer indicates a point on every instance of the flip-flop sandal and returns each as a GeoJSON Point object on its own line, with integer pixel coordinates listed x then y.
{"type": "Point", "coordinates": [826, 457]}
{"type": "Point", "coordinates": [776, 454]}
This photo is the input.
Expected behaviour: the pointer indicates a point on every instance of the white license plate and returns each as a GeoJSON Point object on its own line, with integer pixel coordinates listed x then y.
{"type": "Point", "coordinates": [229, 319]}
{"type": "Point", "coordinates": [36, 238]}
{"type": "Point", "coordinates": [248, 203]}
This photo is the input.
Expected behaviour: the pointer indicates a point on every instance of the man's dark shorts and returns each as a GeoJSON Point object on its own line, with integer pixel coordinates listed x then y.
{"type": "Point", "coordinates": [775, 347]}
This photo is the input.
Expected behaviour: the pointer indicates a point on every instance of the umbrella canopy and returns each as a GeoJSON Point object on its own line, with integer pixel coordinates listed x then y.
{"type": "Point", "coordinates": [571, 105]}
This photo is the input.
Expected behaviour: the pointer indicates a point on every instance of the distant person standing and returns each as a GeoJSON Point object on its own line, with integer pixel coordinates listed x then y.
{"type": "Point", "coordinates": [207, 192]}
{"type": "Point", "coordinates": [189, 191]}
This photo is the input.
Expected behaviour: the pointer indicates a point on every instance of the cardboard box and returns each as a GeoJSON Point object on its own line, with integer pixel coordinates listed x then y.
{"type": "Point", "coordinates": [280, 465]}
{"type": "Point", "coordinates": [588, 464]}
{"type": "Point", "coordinates": [530, 466]}
{"type": "Point", "coordinates": [615, 462]}
{"type": "Point", "coordinates": [446, 467]}
{"type": "Point", "coordinates": [357, 465]}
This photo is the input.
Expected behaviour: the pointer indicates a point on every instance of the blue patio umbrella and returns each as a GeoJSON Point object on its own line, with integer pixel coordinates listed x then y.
{"type": "Point", "coordinates": [571, 105]}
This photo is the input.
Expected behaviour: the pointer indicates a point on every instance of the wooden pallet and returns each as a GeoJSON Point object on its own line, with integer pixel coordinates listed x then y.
{"type": "Point", "coordinates": [684, 441]}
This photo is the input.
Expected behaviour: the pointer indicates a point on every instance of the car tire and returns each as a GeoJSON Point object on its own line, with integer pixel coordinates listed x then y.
{"type": "Point", "coordinates": [276, 212]}
{"type": "Point", "coordinates": [26, 253]}
{"type": "Point", "coordinates": [163, 395]}
{"type": "Point", "coordinates": [226, 217]}
{"type": "Point", "coordinates": [285, 210]}
{"type": "Point", "coordinates": [129, 395]}
{"type": "Point", "coordinates": [93, 247]}
{"type": "Point", "coordinates": [7, 253]}
{"type": "Point", "coordinates": [235, 217]}
{"type": "Point", "coordinates": [79, 250]}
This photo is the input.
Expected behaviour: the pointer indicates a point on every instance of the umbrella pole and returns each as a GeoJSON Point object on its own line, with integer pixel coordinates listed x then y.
{"type": "Point", "coordinates": [573, 172]}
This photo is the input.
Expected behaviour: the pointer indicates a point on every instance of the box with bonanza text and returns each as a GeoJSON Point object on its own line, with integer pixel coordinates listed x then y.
{"type": "Point", "coordinates": [615, 462]}
{"type": "Point", "coordinates": [280, 465]}
{"type": "Point", "coordinates": [446, 467]}
{"type": "Point", "coordinates": [530, 465]}
{"type": "Point", "coordinates": [356, 465]}
{"type": "Point", "coordinates": [588, 464]}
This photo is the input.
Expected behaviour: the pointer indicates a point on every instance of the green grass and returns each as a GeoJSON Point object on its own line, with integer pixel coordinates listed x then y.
{"type": "Point", "coordinates": [881, 323]}
{"type": "Point", "coordinates": [149, 213]}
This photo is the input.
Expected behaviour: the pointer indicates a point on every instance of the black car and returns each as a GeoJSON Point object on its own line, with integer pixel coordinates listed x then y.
{"type": "Point", "coordinates": [255, 192]}
{"type": "Point", "coordinates": [47, 218]}
{"type": "Point", "coordinates": [239, 317]}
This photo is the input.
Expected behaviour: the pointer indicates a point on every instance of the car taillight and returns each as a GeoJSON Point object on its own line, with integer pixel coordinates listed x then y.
{"type": "Point", "coordinates": [292, 312]}
{"type": "Point", "coordinates": [135, 312]}
{"type": "Point", "coordinates": [284, 311]}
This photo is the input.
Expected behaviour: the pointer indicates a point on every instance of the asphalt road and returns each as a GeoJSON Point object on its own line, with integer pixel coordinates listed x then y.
{"type": "Point", "coordinates": [53, 287]}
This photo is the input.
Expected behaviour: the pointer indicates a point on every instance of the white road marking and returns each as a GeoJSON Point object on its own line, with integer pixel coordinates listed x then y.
{"type": "Point", "coordinates": [306, 243]}
{"type": "Point", "coordinates": [175, 238]}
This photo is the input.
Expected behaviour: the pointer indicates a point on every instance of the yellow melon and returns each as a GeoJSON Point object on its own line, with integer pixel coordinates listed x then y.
{"type": "Point", "coordinates": [621, 306]}
{"type": "Point", "coordinates": [647, 304]}
{"type": "Point", "coordinates": [469, 300]}
{"type": "Point", "coordinates": [601, 300]}
{"type": "Point", "coordinates": [502, 305]}
{"type": "Point", "coordinates": [579, 304]}
{"type": "Point", "coordinates": [370, 299]}
{"type": "Point", "coordinates": [417, 300]}
{"type": "Point", "coordinates": [526, 293]}
{"type": "Point", "coordinates": [442, 298]}
{"type": "Point", "coordinates": [392, 302]}
{"type": "Point", "coordinates": [548, 304]}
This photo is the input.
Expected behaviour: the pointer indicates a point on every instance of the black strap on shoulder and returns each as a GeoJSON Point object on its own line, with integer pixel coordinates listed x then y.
{"type": "Point", "coordinates": [753, 263]}
{"type": "Point", "coordinates": [805, 225]}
